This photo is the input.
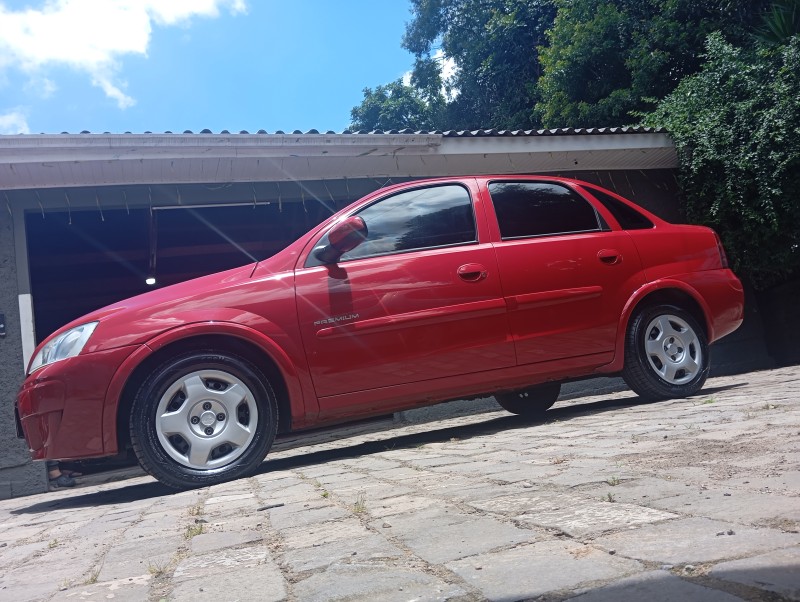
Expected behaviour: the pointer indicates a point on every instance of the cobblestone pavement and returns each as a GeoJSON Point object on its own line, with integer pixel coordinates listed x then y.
{"type": "Point", "coordinates": [610, 499]}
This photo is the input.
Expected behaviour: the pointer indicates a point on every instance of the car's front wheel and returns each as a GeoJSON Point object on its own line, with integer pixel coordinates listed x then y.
{"type": "Point", "coordinates": [666, 353]}
{"type": "Point", "coordinates": [203, 418]}
{"type": "Point", "coordinates": [531, 402]}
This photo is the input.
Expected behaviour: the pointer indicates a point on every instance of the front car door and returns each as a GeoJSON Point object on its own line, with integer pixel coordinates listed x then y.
{"type": "Point", "coordinates": [418, 300]}
{"type": "Point", "coordinates": [566, 275]}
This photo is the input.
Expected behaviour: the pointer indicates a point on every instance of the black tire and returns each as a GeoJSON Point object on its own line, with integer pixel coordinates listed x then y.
{"type": "Point", "coordinates": [531, 402]}
{"type": "Point", "coordinates": [189, 427]}
{"type": "Point", "coordinates": [666, 353]}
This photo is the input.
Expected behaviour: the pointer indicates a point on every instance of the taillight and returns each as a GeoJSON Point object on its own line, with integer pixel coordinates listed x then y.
{"type": "Point", "coordinates": [723, 258]}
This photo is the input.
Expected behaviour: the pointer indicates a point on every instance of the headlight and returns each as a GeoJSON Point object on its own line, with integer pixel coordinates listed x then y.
{"type": "Point", "coordinates": [67, 344]}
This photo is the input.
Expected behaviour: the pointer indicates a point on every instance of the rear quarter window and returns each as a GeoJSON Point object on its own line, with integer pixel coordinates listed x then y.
{"type": "Point", "coordinates": [627, 216]}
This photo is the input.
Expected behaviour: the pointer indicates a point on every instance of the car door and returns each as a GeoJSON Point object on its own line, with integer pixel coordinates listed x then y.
{"type": "Point", "coordinates": [419, 299]}
{"type": "Point", "coordinates": [566, 275]}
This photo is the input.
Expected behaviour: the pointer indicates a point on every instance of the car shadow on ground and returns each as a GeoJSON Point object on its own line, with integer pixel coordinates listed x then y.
{"type": "Point", "coordinates": [490, 426]}
{"type": "Point", "coordinates": [142, 491]}
{"type": "Point", "coordinates": [120, 495]}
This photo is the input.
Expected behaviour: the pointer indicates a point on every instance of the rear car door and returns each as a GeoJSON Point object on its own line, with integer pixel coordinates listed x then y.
{"type": "Point", "coordinates": [419, 299]}
{"type": "Point", "coordinates": [566, 275]}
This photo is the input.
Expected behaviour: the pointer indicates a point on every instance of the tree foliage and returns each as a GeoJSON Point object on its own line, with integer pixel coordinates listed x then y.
{"type": "Point", "coordinates": [493, 46]}
{"type": "Point", "coordinates": [736, 125]}
{"type": "Point", "coordinates": [522, 64]}
{"type": "Point", "coordinates": [609, 60]}
{"type": "Point", "coordinates": [780, 22]}
{"type": "Point", "coordinates": [393, 106]}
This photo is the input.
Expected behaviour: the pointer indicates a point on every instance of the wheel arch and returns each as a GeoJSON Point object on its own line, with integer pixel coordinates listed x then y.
{"type": "Point", "coordinates": [116, 431]}
{"type": "Point", "coordinates": [664, 293]}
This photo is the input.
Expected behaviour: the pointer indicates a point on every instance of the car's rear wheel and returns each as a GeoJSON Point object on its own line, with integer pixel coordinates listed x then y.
{"type": "Point", "coordinates": [531, 402]}
{"type": "Point", "coordinates": [666, 353]}
{"type": "Point", "coordinates": [203, 418]}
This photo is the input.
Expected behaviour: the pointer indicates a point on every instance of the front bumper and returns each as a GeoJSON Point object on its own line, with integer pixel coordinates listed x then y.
{"type": "Point", "coordinates": [61, 406]}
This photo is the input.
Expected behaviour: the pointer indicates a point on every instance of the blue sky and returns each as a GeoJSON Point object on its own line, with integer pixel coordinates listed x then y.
{"type": "Point", "coordinates": [158, 65]}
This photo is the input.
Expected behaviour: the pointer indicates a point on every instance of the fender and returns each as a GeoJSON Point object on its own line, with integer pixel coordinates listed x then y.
{"type": "Point", "coordinates": [299, 402]}
{"type": "Point", "coordinates": [663, 284]}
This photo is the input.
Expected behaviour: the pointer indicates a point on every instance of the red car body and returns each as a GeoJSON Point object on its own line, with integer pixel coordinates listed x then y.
{"type": "Point", "coordinates": [343, 340]}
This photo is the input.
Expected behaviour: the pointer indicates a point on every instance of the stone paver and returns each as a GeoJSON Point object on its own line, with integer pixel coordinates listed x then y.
{"type": "Point", "coordinates": [609, 499]}
{"type": "Point", "coordinates": [657, 586]}
{"type": "Point", "coordinates": [775, 571]}
{"type": "Point", "coordinates": [534, 570]}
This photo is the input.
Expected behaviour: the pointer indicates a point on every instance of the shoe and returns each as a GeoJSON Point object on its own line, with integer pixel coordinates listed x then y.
{"type": "Point", "coordinates": [62, 481]}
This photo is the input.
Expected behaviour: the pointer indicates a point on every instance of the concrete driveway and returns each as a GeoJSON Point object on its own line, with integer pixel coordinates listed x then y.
{"type": "Point", "coordinates": [610, 499]}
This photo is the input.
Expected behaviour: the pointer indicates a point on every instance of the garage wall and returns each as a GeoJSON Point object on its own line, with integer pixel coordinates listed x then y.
{"type": "Point", "coordinates": [18, 475]}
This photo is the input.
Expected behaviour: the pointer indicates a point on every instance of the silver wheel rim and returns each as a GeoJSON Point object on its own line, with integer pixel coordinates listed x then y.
{"type": "Point", "coordinates": [673, 349]}
{"type": "Point", "coordinates": [206, 419]}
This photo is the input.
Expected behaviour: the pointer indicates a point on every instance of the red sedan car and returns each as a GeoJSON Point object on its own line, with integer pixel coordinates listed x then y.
{"type": "Point", "coordinates": [419, 293]}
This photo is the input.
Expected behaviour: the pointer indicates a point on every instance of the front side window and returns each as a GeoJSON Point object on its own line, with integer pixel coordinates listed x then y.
{"type": "Point", "coordinates": [526, 209]}
{"type": "Point", "coordinates": [438, 216]}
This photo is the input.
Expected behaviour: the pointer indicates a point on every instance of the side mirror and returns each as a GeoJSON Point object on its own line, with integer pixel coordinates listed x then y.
{"type": "Point", "coordinates": [343, 237]}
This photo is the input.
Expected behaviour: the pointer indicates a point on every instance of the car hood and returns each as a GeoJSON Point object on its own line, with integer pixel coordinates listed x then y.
{"type": "Point", "coordinates": [137, 319]}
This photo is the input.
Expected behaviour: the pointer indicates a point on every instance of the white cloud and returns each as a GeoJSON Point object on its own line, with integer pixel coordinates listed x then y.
{"type": "Point", "coordinates": [92, 35]}
{"type": "Point", "coordinates": [14, 122]}
{"type": "Point", "coordinates": [42, 87]}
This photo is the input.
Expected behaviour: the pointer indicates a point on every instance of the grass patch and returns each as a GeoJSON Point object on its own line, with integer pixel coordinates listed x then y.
{"type": "Point", "coordinates": [360, 507]}
{"type": "Point", "coordinates": [156, 569]}
{"type": "Point", "coordinates": [194, 530]}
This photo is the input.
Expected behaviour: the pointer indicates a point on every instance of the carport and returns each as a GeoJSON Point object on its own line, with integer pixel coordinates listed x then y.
{"type": "Point", "coordinates": [93, 218]}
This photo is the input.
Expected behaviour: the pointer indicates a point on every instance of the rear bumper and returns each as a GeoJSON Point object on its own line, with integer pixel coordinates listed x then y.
{"type": "Point", "coordinates": [60, 406]}
{"type": "Point", "coordinates": [723, 294]}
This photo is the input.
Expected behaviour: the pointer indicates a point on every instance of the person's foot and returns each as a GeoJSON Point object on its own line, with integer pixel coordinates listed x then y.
{"type": "Point", "coordinates": [62, 481]}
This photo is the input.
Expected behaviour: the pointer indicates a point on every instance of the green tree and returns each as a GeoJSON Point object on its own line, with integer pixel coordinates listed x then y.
{"type": "Point", "coordinates": [493, 45]}
{"type": "Point", "coordinates": [609, 60]}
{"type": "Point", "coordinates": [736, 126]}
{"type": "Point", "coordinates": [394, 106]}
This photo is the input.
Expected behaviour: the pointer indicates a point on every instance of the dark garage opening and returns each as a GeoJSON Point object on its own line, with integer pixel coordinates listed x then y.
{"type": "Point", "coordinates": [80, 261]}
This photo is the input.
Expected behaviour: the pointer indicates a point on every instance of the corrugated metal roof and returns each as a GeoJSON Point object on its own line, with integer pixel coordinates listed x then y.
{"type": "Point", "coordinates": [444, 133]}
{"type": "Point", "coordinates": [40, 161]}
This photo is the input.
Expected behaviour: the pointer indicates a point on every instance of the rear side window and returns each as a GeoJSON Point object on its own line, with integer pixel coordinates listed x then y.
{"type": "Point", "coordinates": [526, 209]}
{"type": "Point", "coordinates": [627, 216]}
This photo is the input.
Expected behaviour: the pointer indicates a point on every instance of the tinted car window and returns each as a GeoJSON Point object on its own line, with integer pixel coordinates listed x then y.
{"type": "Point", "coordinates": [627, 216]}
{"type": "Point", "coordinates": [536, 209]}
{"type": "Point", "coordinates": [418, 219]}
